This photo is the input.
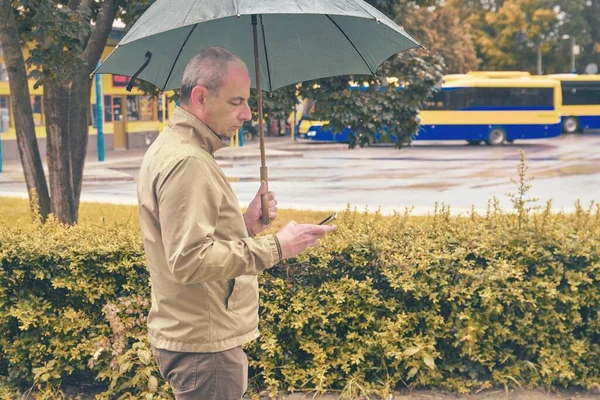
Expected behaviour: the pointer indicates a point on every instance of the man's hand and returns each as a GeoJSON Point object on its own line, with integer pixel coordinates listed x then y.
{"type": "Point", "coordinates": [295, 238]}
{"type": "Point", "coordinates": [253, 214]}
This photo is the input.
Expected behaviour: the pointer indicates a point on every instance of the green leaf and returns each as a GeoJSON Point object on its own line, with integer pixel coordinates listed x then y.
{"type": "Point", "coordinates": [428, 360]}
{"type": "Point", "coordinates": [125, 367]}
{"type": "Point", "coordinates": [145, 356]}
{"type": "Point", "coordinates": [413, 371]}
{"type": "Point", "coordinates": [152, 384]}
{"type": "Point", "coordinates": [412, 351]}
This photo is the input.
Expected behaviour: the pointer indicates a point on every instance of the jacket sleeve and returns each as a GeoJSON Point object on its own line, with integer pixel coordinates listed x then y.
{"type": "Point", "coordinates": [189, 199]}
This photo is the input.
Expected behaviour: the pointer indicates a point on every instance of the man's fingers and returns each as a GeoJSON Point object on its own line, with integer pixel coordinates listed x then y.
{"type": "Point", "coordinates": [330, 228]}
{"type": "Point", "coordinates": [272, 203]}
{"type": "Point", "coordinates": [272, 210]}
{"type": "Point", "coordinates": [321, 230]}
{"type": "Point", "coordinates": [271, 195]}
{"type": "Point", "coordinates": [262, 189]}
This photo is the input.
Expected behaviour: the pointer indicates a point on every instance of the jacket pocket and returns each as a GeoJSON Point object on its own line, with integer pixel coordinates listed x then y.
{"type": "Point", "coordinates": [229, 298]}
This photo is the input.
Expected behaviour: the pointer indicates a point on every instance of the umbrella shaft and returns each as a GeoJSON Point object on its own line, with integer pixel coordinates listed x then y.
{"type": "Point", "coordinates": [261, 127]}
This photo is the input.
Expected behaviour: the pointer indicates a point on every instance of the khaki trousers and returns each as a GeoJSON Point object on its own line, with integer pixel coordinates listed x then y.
{"type": "Point", "coordinates": [204, 376]}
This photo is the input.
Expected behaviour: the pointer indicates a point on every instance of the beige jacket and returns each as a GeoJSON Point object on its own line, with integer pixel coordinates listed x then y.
{"type": "Point", "coordinates": [202, 262]}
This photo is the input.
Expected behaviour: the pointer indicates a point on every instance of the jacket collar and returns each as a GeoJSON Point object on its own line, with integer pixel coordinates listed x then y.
{"type": "Point", "coordinates": [187, 124]}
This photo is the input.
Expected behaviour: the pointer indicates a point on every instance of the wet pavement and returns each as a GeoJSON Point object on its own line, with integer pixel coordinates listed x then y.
{"type": "Point", "coordinates": [328, 177]}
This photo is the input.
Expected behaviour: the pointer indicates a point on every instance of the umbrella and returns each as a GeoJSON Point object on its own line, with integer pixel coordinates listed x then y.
{"type": "Point", "coordinates": [281, 41]}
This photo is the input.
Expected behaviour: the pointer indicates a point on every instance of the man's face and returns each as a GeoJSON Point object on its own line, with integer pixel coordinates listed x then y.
{"type": "Point", "coordinates": [225, 111]}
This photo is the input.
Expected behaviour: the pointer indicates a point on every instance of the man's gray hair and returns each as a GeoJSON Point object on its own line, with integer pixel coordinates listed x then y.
{"type": "Point", "coordinates": [208, 68]}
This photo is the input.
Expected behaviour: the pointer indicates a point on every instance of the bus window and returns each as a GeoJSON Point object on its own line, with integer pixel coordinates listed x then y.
{"type": "Point", "coordinates": [436, 102]}
{"type": "Point", "coordinates": [460, 99]}
{"type": "Point", "coordinates": [532, 97]}
{"type": "Point", "coordinates": [580, 93]}
{"type": "Point", "coordinates": [492, 98]}
{"type": "Point", "coordinates": [108, 109]}
{"type": "Point", "coordinates": [133, 113]}
{"type": "Point", "coordinates": [515, 98]}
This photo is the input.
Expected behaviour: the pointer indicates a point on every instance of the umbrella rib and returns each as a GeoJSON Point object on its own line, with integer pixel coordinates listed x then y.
{"type": "Point", "coordinates": [178, 54]}
{"type": "Point", "coordinates": [367, 11]}
{"type": "Point", "coordinates": [262, 28]}
{"type": "Point", "coordinates": [350, 41]}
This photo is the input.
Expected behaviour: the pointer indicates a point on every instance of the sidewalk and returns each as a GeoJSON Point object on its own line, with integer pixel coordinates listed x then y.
{"type": "Point", "coordinates": [118, 164]}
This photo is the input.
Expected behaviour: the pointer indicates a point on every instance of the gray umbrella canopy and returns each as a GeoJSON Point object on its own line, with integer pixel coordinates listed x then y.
{"type": "Point", "coordinates": [285, 41]}
{"type": "Point", "coordinates": [298, 40]}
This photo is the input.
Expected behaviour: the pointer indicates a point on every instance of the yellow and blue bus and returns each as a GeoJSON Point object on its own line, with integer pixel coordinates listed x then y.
{"type": "Point", "coordinates": [580, 101]}
{"type": "Point", "coordinates": [498, 74]}
{"type": "Point", "coordinates": [494, 111]}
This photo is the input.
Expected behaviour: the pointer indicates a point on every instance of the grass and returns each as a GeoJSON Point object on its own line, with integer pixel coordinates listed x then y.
{"type": "Point", "coordinates": [15, 210]}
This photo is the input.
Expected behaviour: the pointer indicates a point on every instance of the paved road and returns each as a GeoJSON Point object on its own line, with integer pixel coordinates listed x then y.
{"type": "Point", "coordinates": [565, 169]}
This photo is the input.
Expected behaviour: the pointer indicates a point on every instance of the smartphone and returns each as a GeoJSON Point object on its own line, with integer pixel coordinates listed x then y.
{"type": "Point", "coordinates": [329, 219]}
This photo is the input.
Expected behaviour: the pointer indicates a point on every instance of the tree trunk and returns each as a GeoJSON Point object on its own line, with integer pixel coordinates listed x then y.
{"type": "Point", "coordinates": [81, 91]}
{"type": "Point", "coordinates": [79, 100]}
{"type": "Point", "coordinates": [56, 111]}
{"type": "Point", "coordinates": [22, 112]}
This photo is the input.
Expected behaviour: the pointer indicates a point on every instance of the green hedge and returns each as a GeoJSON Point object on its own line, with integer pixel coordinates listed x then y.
{"type": "Point", "coordinates": [459, 303]}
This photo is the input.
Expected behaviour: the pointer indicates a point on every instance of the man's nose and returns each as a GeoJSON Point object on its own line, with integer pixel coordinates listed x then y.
{"type": "Point", "coordinates": [246, 114]}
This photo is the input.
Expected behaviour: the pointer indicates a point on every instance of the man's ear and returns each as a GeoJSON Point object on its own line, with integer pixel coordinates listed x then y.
{"type": "Point", "coordinates": [199, 95]}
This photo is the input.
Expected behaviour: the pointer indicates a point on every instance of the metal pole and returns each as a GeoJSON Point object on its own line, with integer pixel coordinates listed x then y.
{"type": "Point", "coordinates": [99, 117]}
{"type": "Point", "coordinates": [573, 70]}
{"type": "Point", "coordinates": [1, 155]}
{"type": "Point", "coordinates": [294, 125]}
{"type": "Point", "coordinates": [241, 136]}
{"type": "Point", "coordinates": [539, 59]}
{"type": "Point", "coordinates": [264, 176]}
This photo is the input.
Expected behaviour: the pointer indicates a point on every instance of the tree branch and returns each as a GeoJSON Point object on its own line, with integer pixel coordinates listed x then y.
{"type": "Point", "coordinates": [100, 32]}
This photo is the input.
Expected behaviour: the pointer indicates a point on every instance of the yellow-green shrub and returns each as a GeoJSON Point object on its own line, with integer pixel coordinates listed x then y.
{"type": "Point", "coordinates": [54, 281]}
{"type": "Point", "coordinates": [453, 302]}
{"type": "Point", "coordinates": [458, 303]}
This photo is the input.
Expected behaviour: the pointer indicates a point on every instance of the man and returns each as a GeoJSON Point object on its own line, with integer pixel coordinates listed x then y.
{"type": "Point", "coordinates": [202, 254]}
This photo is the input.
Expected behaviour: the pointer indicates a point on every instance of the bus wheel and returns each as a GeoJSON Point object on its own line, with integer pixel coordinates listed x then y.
{"type": "Point", "coordinates": [474, 142]}
{"type": "Point", "coordinates": [497, 137]}
{"type": "Point", "coordinates": [571, 125]}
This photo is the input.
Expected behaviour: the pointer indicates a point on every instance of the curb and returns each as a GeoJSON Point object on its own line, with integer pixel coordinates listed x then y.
{"type": "Point", "coordinates": [89, 179]}
{"type": "Point", "coordinates": [234, 157]}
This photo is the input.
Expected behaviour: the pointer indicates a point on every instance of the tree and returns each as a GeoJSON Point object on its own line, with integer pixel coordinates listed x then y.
{"type": "Point", "coordinates": [68, 38]}
{"type": "Point", "coordinates": [276, 105]}
{"type": "Point", "coordinates": [388, 108]}
{"type": "Point", "coordinates": [579, 20]}
{"type": "Point", "coordinates": [518, 33]}
{"type": "Point", "coordinates": [19, 90]}
{"type": "Point", "coordinates": [440, 30]}
{"type": "Point", "coordinates": [510, 34]}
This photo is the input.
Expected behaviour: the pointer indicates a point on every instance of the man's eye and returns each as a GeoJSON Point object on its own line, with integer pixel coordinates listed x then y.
{"type": "Point", "coordinates": [235, 103]}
